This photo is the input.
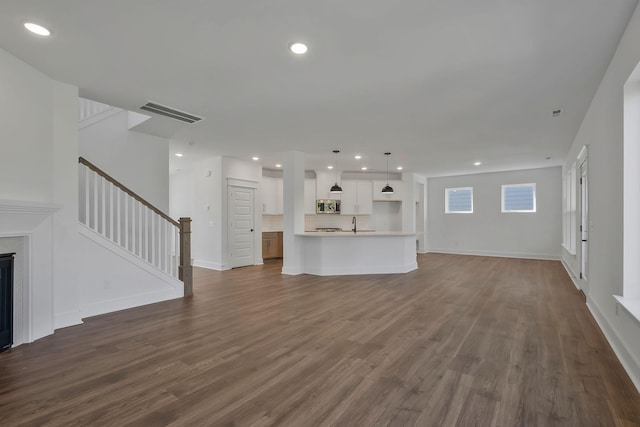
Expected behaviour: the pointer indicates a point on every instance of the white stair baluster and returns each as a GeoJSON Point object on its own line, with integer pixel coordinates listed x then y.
{"type": "Point", "coordinates": [94, 187]}
{"type": "Point", "coordinates": [87, 195]}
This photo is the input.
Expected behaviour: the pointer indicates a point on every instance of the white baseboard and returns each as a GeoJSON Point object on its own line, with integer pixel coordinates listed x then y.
{"type": "Point", "coordinates": [629, 362]}
{"type": "Point", "coordinates": [346, 270]}
{"type": "Point", "coordinates": [209, 265]}
{"type": "Point", "coordinates": [70, 318]}
{"type": "Point", "coordinates": [291, 271]}
{"type": "Point", "coordinates": [124, 303]}
{"type": "Point", "coordinates": [571, 274]}
{"type": "Point", "coordinates": [523, 255]}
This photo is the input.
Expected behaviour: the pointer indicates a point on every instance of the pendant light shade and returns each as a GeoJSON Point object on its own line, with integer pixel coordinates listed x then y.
{"type": "Point", "coordinates": [335, 188]}
{"type": "Point", "coordinates": [387, 189]}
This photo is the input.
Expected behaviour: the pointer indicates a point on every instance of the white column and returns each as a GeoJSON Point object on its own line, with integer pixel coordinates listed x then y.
{"type": "Point", "coordinates": [293, 211]}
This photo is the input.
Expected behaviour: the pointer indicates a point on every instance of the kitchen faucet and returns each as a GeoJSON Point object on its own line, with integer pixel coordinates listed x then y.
{"type": "Point", "coordinates": [354, 222]}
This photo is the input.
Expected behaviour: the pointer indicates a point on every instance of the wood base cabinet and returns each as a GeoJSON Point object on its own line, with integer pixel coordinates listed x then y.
{"type": "Point", "coordinates": [272, 244]}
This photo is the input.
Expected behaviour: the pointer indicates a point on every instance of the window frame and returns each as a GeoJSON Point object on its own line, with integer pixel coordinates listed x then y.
{"type": "Point", "coordinates": [527, 184]}
{"type": "Point", "coordinates": [446, 200]}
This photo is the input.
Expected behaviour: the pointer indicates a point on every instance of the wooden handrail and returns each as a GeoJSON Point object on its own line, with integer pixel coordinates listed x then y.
{"type": "Point", "coordinates": [115, 182]}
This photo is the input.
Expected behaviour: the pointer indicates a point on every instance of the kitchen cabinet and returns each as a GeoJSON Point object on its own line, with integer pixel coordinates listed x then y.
{"type": "Point", "coordinates": [271, 190]}
{"type": "Point", "coordinates": [356, 197]}
{"type": "Point", "coordinates": [397, 191]}
{"type": "Point", "coordinates": [309, 196]}
{"type": "Point", "coordinates": [271, 244]}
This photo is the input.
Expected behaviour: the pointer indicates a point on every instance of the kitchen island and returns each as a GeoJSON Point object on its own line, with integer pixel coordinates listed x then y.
{"type": "Point", "coordinates": [364, 252]}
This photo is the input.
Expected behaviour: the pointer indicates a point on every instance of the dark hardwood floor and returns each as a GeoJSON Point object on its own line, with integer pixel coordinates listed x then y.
{"type": "Point", "coordinates": [461, 341]}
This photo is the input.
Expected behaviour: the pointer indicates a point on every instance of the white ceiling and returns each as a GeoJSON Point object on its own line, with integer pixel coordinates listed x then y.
{"type": "Point", "coordinates": [439, 83]}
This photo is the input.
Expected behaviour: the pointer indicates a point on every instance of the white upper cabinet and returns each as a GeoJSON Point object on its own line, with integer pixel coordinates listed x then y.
{"type": "Point", "coordinates": [397, 190]}
{"type": "Point", "coordinates": [309, 196]}
{"type": "Point", "coordinates": [271, 192]}
{"type": "Point", "coordinates": [356, 197]}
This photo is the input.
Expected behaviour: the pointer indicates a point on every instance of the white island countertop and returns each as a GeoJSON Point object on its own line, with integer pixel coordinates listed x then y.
{"type": "Point", "coordinates": [363, 233]}
{"type": "Point", "coordinates": [328, 253]}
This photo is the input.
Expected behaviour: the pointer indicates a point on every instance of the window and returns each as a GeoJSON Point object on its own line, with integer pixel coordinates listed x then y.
{"type": "Point", "coordinates": [519, 198]}
{"type": "Point", "coordinates": [458, 200]}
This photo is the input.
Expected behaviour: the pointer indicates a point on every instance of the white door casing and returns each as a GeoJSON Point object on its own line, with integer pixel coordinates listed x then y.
{"type": "Point", "coordinates": [583, 235]}
{"type": "Point", "coordinates": [241, 226]}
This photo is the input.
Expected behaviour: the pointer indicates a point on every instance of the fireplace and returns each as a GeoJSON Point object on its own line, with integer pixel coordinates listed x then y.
{"type": "Point", "coordinates": [6, 301]}
{"type": "Point", "coordinates": [26, 229]}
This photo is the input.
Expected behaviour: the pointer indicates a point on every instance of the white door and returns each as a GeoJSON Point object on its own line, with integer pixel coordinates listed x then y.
{"type": "Point", "coordinates": [584, 227]}
{"type": "Point", "coordinates": [241, 228]}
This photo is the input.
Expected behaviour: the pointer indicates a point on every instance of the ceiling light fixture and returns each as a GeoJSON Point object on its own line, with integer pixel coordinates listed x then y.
{"type": "Point", "coordinates": [364, 168]}
{"type": "Point", "coordinates": [335, 188]}
{"type": "Point", "coordinates": [255, 158]}
{"type": "Point", "coordinates": [37, 29]}
{"type": "Point", "coordinates": [278, 165]}
{"type": "Point", "coordinates": [329, 167]}
{"type": "Point", "coordinates": [387, 188]}
{"type": "Point", "coordinates": [357, 157]}
{"type": "Point", "coordinates": [399, 168]}
{"type": "Point", "coordinates": [298, 48]}
{"type": "Point", "coordinates": [477, 163]}
{"type": "Point", "coordinates": [179, 154]}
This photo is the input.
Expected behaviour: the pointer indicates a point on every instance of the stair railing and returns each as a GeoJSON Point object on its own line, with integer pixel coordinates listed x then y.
{"type": "Point", "coordinates": [109, 208]}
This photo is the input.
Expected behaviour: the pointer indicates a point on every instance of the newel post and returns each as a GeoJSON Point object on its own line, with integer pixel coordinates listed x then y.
{"type": "Point", "coordinates": [185, 270]}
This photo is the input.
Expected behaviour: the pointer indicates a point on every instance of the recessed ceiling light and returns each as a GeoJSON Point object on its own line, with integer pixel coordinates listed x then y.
{"type": "Point", "coordinates": [179, 154]}
{"type": "Point", "coordinates": [278, 165]}
{"type": "Point", "coordinates": [329, 167]}
{"type": "Point", "coordinates": [37, 29]}
{"type": "Point", "coordinates": [399, 168]}
{"type": "Point", "coordinates": [255, 158]}
{"type": "Point", "coordinates": [298, 48]}
{"type": "Point", "coordinates": [364, 168]}
{"type": "Point", "coordinates": [357, 157]}
{"type": "Point", "coordinates": [477, 163]}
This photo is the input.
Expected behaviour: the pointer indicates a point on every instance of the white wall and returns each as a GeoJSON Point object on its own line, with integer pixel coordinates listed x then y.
{"type": "Point", "coordinates": [487, 231]}
{"type": "Point", "coordinates": [206, 226]}
{"type": "Point", "coordinates": [38, 130]}
{"type": "Point", "coordinates": [181, 189]}
{"type": "Point", "coordinates": [26, 120]}
{"type": "Point", "coordinates": [602, 131]}
{"type": "Point", "coordinates": [113, 280]}
{"type": "Point", "coordinates": [137, 160]}
{"type": "Point", "coordinates": [202, 195]}
{"type": "Point", "coordinates": [65, 192]}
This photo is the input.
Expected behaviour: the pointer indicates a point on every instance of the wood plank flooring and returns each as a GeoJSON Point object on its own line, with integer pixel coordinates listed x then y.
{"type": "Point", "coordinates": [466, 341]}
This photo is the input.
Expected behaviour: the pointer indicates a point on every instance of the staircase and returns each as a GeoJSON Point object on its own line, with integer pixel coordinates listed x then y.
{"type": "Point", "coordinates": [109, 210]}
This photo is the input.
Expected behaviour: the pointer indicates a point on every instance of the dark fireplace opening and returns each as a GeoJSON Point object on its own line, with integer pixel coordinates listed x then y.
{"type": "Point", "coordinates": [6, 301]}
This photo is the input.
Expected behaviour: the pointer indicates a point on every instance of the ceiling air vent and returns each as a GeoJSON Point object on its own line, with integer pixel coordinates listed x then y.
{"type": "Point", "coordinates": [170, 112]}
{"type": "Point", "coordinates": [556, 113]}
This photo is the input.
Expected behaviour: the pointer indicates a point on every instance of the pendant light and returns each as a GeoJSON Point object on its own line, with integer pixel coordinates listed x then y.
{"type": "Point", "coordinates": [335, 188]}
{"type": "Point", "coordinates": [387, 188]}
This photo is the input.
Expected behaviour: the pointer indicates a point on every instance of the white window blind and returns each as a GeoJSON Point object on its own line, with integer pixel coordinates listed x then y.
{"type": "Point", "coordinates": [459, 200]}
{"type": "Point", "coordinates": [519, 198]}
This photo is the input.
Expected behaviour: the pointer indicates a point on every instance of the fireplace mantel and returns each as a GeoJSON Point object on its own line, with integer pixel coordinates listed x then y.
{"type": "Point", "coordinates": [21, 216]}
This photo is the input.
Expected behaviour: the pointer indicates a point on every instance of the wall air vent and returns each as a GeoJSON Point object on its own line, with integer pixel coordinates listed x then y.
{"type": "Point", "coordinates": [170, 112]}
